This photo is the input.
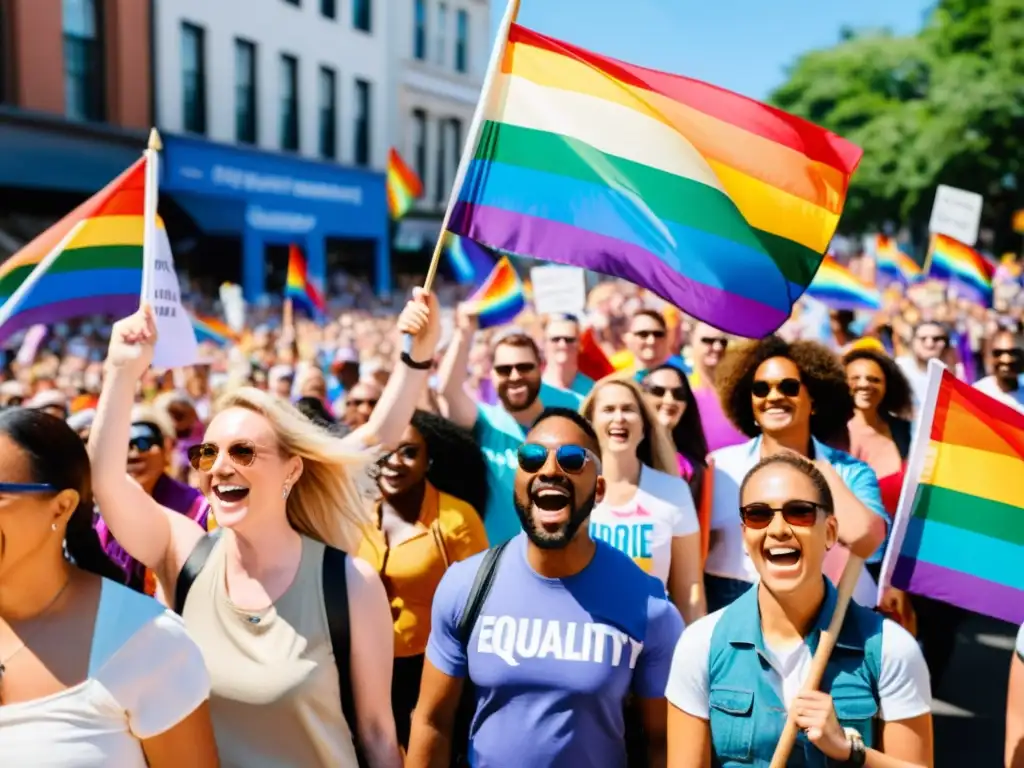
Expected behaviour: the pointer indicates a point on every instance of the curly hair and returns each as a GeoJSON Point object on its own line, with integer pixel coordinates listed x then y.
{"type": "Point", "coordinates": [457, 465]}
{"type": "Point", "coordinates": [897, 399]}
{"type": "Point", "coordinates": [820, 372]}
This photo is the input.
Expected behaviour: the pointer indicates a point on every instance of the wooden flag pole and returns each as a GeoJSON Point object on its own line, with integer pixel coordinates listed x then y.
{"type": "Point", "coordinates": [473, 136]}
{"type": "Point", "coordinates": [826, 643]}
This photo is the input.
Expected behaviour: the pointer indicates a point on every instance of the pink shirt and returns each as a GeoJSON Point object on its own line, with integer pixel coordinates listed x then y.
{"type": "Point", "coordinates": [718, 430]}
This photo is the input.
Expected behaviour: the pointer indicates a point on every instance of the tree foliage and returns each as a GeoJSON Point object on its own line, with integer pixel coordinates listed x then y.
{"type": "Point", "coordinates": [945, 106]}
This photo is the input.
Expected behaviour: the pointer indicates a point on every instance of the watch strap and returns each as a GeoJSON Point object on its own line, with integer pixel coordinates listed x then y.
{"type": "Point", "coordinates": [424, 365]}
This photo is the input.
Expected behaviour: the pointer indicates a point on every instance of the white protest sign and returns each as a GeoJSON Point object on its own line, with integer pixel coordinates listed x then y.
{"type": "Point", "coordinates": [176, 338]}
{"type": "Point", "coordinates": [559, 289]}
{"type": "Point", "coordinates": [957, 214]}
{"type": "Point", "coordinates": [233, 304]}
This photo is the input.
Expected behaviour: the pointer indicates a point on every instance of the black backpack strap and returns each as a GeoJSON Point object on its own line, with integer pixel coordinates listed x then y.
{"type": "Point", "coordinates": [190, 570]}
{"type": "Point", "coordinates": [478, 594]}
{"type": "Point", "coordinates": [339, 626]}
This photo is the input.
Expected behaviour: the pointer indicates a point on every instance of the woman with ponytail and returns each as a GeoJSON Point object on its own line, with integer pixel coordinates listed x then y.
{"type": "Point", "coordinates": [135, 693]}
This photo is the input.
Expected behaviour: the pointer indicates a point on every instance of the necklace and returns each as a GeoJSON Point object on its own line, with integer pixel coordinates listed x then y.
{"type": "Point", "coordinates": [21, 645]}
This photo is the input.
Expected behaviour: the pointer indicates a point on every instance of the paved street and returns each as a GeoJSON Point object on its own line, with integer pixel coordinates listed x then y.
{"type": "Point", "coordinates": [971, 706]}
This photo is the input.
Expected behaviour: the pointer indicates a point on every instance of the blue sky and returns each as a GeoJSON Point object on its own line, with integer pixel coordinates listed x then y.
{"type": "Point", "coordinates": [742, 45]}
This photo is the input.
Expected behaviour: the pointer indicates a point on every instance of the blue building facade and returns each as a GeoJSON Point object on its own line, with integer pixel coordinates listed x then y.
{"type": "Point", "coordinates": [269, 199]}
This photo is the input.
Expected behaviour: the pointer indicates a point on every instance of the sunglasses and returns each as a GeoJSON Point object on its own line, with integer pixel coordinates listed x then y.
{"type": "Point", "coordinates": [715, 341]}
{"type": "Point", "coordinates": [678, 393]}
{"type": "Point", "coordinates": [204, 455]}
{"type": "Point", "coordinates": [758, 515]}
{"type": "Point", "coordinates": [144, 443]}
{"type": "Point", "coordinates": [933, 339]}
{"type": "Point", "coordinates": [26, 488]}
{"type": "Point", "coordinates": [360, 403]}
{"type": "Point", "coordinates": [785, 387]}
{"type": "Point", "coordinates": [405, 453]}
{"type": "Point", "coordinates": [521, 368]}
{"type": "Point", "coordinates": [565, 339]}
{"type": "Point", "coordinates": [571, 459]}
{"type": "Point", "coordinates": [1011, 352]}
{"type": "Point", "coordinates": [649, 334]}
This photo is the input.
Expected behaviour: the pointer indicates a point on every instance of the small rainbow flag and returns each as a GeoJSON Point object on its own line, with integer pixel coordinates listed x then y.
{"type": "Point", "coordinates": [958, 534]}
{"type": "Point", "coordinates": [893, 263]}
{"type": "Point", "coordinates": [403, 185]}
{"type": "Point", "coordinates": [210, 329]}
{"type": "Point", "coordinates": [94, 257]}
{"type": "Point", "coordinates": [718, 204]}
{"type": "Point", "coordinates": [837, 287]}
{"type": "Point", "coordinates": [300, 289]}
{"type": "Point", "coordinates": [470, 261]}
{"type": "Point", "coordinates": [500, 299]}
{"type": "Point", "coordinates": [965, 269]}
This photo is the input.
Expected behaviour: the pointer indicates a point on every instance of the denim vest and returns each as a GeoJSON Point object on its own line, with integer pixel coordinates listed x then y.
{"type": "Point", "coordinates": [747, 716]}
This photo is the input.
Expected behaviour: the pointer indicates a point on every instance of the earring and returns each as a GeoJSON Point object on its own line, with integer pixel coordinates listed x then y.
{"type": "Point", "coordinates": [53, 527]}
{"type": "Point", "coordinates": [285, 492]}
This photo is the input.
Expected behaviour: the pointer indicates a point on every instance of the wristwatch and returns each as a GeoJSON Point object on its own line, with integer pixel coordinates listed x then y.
{"type": "Point", "coordinates": [858, 753]}
{"type": "Point", "coordinates": [415, 364]}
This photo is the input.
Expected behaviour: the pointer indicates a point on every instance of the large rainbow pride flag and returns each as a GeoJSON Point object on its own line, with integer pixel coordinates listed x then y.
{"type": "Point", "coordinates": [958, 535]}
{"type": "Point", "coordinates": [718, 204]}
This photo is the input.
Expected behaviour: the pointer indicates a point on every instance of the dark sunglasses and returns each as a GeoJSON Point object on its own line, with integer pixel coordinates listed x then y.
{"type": "Point", "coordinates": [570, 458]}
{"type": "Point", "coordinates": [799, 513]}
{"type": "Point", "coordinates": [785, 387]}
{"type": "Point", "coordinates": [934, 339]}
{"type": "Point", "coordinates": [402, 452]}
{"type": "Point", "coordinates": [715, 341]}
{"type": "Point", "coordinates": [651, 334]}
{"type": "Point", "coordinates": [678, 393]}
{"type": "Point", "coordinates": [204, 455]}
{"type": "Point", "coordinates": [360, 403]}
{"type": "Point", "coordinates": [521, 368]}
{"type": "Point", "coordinates": [144, 443]}
{"type": "Point", "coordinates": [26, 488]}
{"type": "Point", "coordinates": [566, 339]}
{"type": "Point", "coordinates": [1010, 352]}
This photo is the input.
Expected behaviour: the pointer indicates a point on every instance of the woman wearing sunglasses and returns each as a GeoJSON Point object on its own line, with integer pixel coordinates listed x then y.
{"type": "Point", "coordinates": [788, 397]}
{"type": "Point", "coordinates": [430, 486]}
{"type": "Point", "coordinates": [739, 671]}
{"type": "Point", "coordinates": [92, 674]}
{"type": "Point", "coordinates": [668, 390]}
{"type": "Point", "coordinates": [281, 489]}
{"type": "Point", "coordinates": [647, 511]}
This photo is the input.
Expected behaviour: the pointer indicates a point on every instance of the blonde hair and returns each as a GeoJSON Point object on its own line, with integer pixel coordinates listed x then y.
{"type": "Point", "coordinates": [324, 503]}
{"type": "Point", "coordinates": [656, 448]}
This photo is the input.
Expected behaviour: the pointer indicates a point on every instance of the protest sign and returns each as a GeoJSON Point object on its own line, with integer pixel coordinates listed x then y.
{"type": "Point", "coordinates": [957, 214]}
{"type": "Point", "coordinates": [558, 289]}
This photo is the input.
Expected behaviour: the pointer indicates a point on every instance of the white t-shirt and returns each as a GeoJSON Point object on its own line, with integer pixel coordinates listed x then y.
{"type": "Point", "coordinates": [644, 527]}
{"type": "Point", "coordinates": [145, 676]}
{"type": "Point", "coordinates": [1013, 399]}
{"type": "Point", "coordinates": [904, 686]}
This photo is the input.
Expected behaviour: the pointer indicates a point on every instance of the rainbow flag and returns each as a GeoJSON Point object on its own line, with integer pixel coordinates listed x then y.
{"type": "Point", "coordinates": [718, 204]}
{"type": "Point", "coordinates": [837, 287]}
{"type": "Point", "coordinates": [500, 298]}
{"type": "Point", "coordinates": [95, 260]}
{"type": "Point", "coordinates": [470, 261]}
{"type": "Point", "coordinates": [893, 263]}
{"type": "Point", "coordinates": [300, 289]}
{"type": "Point", "coordinates": [965, 269]}
{"type": "Point", "coordinates": [958, 535]}
{"type": "Point", "coordinates": [212, 330]}
{"type": "Point", "coordinates": [403, 185]}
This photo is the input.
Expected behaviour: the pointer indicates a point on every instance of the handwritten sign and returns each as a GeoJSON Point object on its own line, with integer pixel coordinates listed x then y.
{"type": "Point", "coordinates": [957, 214]}
{"type": "Point", "coordinates": [559, 289]}
{"type": "Point", "coordinates": [176, 339]}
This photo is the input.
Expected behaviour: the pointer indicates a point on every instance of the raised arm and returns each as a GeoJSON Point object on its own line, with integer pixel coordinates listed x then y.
{"type": "Point", "coordinates": [454, 370]}
{"type": "Point", "coordinates": [859, 512]}
{"type": "Point", "coordinates": [147, 531]}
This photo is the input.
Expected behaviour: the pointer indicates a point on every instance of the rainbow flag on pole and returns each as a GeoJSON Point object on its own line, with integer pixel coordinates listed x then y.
{"type": "Point", "coordinates": [299, 287]}
{"type": "Point", "coordinates": [894, 264]}
{"type": "Point", "coordinates": [403, 185]}
{"type": "Point", "coordinates": [718, 204]}
{"type": "Point", "coordinates": [965, 269]}
{"type": "Point", "coordinates": [500, 299]}
{"type": "Point", "coordinates": [470, 261]}
{"type": "Point", "coordinates": [837, 288]}
{"type": "Point", "coordinates": [90, 261]}
{"type": "Point", "coordinates": [210, 329]}
{"type": "Point", "coordinates": [958, 535]}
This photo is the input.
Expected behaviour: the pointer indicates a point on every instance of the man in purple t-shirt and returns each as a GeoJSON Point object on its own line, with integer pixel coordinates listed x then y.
{"type": "Point", "coordinates": [570, 629]}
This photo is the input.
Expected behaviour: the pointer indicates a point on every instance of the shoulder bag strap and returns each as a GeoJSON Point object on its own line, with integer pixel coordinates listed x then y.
{"type": "Point", "coordinates": [478, 594]}
{"type": "Point", "coordinates": [435, 529]}
{"type": "Point", "coordinates": [191, 569]}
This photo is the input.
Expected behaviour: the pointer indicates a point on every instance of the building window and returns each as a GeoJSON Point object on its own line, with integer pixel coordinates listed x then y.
{"type": "Point", "coordinates": [364, 105]}
{"type": "Point", "coordinates": [419, 37]}
{"type": "Point", "coordinates": [462, 42]}
{"type": "Point", "coordinates": [329, 9]}
{"type": "Point", "coordinates": [362, 15]}
{"type": "Point", "coordinates": [193, 78]}
{"type": "Point", "coordinates": [419, 143]}
{"type": "Point", "coordinates": [245, 92]}
{"type": "Point", "coordinates": [442, 33]}
{"type": "Point", "coordinates": [83, 60]}
{"type": "Point", "coordinates": [289, 103]}
{"type": "Point", "coordinates": [441, 177]}
{"type": "Point", "coordinates": [328, 113]}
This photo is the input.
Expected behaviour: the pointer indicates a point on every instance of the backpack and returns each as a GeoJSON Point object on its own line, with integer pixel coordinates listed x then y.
{"type": "Point", "coordinates": [335, 604]}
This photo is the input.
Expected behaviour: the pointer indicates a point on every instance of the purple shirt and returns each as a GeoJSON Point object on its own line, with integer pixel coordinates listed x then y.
{"type": "Point", "coordinates": [718, 430]}
{"type": "Point", "coordinates": [553, 660]}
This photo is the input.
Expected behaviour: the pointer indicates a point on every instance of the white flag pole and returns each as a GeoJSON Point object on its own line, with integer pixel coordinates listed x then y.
{"type": "Point", "coordinates": [152, 198]}
{"type": "Point", "coordinates": [475, 127]}
{"type": "Point", "coordinates": [11, 305]}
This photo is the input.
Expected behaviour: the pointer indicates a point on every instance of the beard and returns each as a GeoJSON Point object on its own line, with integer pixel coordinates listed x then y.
{"type": "Point", "coordinates": [532, 392]}
{"type": "Point", "coordinates": [558, 539]}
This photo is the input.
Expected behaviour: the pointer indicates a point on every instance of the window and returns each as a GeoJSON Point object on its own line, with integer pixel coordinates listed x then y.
{"type": "Point", "coordinates": [362, 135]}
{"type": "Point", "coordinates": [419, 37]}
{"type": "Point", "coordinates": [193, 78]}
{"type": "Point", "coordinates": [329, 9]}
{"type": "Point", "coordinates": [441, 177]}
{"type": "Point", "coordinates": [245, 92]}
{"type": "Point", "coordinates": [328, 114]}
{"type": "Point", "coordinates": [449, 144]}
{"type": "Point", "coordinates": [362, 15]}
{"type": "Point", "coordinates": [289, 103]}
{"type": "Point", "coordinates": [442, 31]}
{"type": "Point", "coordinates": [83, 60]}
{"type": "Point", "coordinates": [419, 143]}
{"type": "Point", "coordinates": [462, 42]}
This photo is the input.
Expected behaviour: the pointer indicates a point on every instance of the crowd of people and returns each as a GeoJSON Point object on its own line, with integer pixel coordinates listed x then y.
{"type": "Point", "coordinates": [400, 540]}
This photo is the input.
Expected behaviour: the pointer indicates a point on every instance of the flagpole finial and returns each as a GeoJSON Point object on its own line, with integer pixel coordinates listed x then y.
{"type": "Point", "coordinates": [154, 141]}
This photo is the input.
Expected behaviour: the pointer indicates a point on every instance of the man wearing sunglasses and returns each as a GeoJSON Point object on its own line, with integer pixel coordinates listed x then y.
{"type": "Point", "coordinates": [568, 629]}
{"type": "Point", "coordinates": [562, 352]}
{"type": "Point", "coordinates": [1006, 361]}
